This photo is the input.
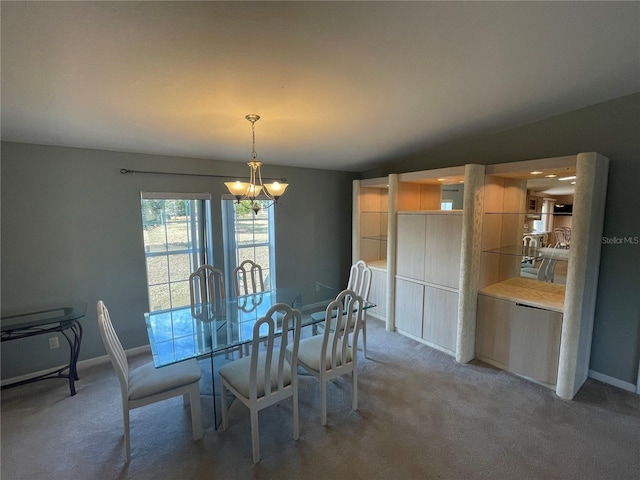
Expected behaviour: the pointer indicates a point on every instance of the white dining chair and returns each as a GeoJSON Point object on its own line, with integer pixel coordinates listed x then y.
{"type": "Point", "coordinates": [248, 274]}
{"type": "Point", "coordinates": [545, 272]}
{"type": "Point", "coordinates": [266, 376]}
{"type": "Point", "coordinates": [146, 384]}
{"type": "Point", "coordinates": [206, 285]}
{"type": "Point", "coordinates": [529, 248]}
{"type": "Point", "coordinates": [360, 283]}
{"type": "Point", "coordinates": [329, 355]}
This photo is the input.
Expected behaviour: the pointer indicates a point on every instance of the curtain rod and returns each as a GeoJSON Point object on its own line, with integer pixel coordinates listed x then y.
{"type": "Point", "coordinates": [125, 171]}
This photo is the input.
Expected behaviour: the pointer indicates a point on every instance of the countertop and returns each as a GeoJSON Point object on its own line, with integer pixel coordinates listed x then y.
{"type": "Point", "coordinates": [534, 293]}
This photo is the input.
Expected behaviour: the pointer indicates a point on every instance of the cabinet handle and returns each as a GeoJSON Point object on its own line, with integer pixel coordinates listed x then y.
{"type": "Point", "coordinates": [530, 306]}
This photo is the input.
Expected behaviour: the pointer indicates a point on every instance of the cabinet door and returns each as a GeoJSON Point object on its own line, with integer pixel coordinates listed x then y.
{"type": "Point", "coordinates": [493, 330]}
{"type": "Point", "coordinates": [443, 235]}
{"type": "Point", "coordinates": [409, 303]}
{"type": "Point", "coordinates": [410, 246]}
{"type": "Point", "coordinates": [440, 323]}
{"type": "Point", "coordinates": [535, 343]}
{"type": "Point", "coordinates": [378, 294]}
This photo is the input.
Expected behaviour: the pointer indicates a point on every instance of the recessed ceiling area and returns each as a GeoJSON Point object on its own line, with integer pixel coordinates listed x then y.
{"type": "Point", "coordinates": [339, 85]}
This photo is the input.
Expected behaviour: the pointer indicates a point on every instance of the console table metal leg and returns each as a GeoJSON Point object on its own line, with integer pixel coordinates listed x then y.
{"type": "Point", "coordinates": [74, 353]}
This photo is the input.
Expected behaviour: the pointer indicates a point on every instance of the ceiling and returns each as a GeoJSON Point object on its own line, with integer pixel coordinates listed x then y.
{"type": "Point", "coordinates": [339, 85]}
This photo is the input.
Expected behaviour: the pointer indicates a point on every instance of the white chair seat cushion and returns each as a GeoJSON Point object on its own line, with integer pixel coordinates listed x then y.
{"type": "Point", "coordinates": [148, 380]}
{"type": "Point", "coordinates": [309, 352]}
{"type": "Point", "coordinates": [236, 373]}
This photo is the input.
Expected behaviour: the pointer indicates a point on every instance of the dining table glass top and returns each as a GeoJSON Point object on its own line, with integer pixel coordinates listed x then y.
{"type": "Point", "coordinates": [197, 330]}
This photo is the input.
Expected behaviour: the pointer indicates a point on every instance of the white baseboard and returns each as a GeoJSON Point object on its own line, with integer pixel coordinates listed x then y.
{"type": "Point", "coordinates": [601, 377]}
{"type": "Point", "coordinates": [82, 365]}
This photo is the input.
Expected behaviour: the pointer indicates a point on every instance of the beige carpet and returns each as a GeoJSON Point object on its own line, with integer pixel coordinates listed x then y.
{"type": "Point", "coordinates": [421, 416]}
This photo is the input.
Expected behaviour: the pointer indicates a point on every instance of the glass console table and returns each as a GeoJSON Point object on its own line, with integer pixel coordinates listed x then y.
{"type": "Point", "coordinates": [62, 320]}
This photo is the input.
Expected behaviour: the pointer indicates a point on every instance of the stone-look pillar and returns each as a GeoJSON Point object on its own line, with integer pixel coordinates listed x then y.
{"type": "Point", "coordinates": [471, 255]}
{"type": "Point", "coordinates": [392, 224]}
{"type": "Point", "coordinates": [355, 223]}
{"type": "Point", "coordinates": [582, 273]}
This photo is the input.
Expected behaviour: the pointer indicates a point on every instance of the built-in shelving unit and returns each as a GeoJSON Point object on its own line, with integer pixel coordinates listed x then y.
{"type": "Point", "coordinates": [370, 237]}
{"type": "Point", "coordinates": [454, 278]}
{"type": "Point", "coordinates": [539, 329]}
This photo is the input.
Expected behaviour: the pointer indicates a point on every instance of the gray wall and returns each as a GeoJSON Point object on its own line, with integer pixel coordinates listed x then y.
{"type": "Point", "coordinates": [72, 231]}
{"type": "Point", "coordinates": [612, 129]}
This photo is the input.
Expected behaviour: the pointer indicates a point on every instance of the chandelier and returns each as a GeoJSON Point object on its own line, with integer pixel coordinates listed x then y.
{"type": "Point", "coordinates": [254, 187]}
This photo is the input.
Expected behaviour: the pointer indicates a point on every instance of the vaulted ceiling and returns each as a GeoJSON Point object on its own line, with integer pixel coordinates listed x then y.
{"type": "Point", "coordinates": [339, 85]}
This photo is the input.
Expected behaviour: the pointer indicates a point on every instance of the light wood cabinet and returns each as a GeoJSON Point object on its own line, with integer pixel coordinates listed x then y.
{"type": "Point", "coordinates": [440, 318]}
{"type": "Point", "coordinates": [442, 255]}
{"type": "Point", "coordinates": [540, 330]}
{"type": "Point", "coordinates": [519, 338]}
{"type": "Point", "coordinates": [427, 276]}
{"type": "Point", "coordinates": [411, 245]}
{"type": "Point", "coordinates": [409, 305]}
{"type": "Point", "coordinates": [378, 291]}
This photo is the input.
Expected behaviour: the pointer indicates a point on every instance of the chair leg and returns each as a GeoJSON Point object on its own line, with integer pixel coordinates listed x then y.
{"type": "Point", "coordinates": [296, 424]}
{"type": "Point", "coordinates": [127, 439]}
{"type": "Point", "coordinates": [364, 338]}
{"type": "Point", "coordinates": [196, 422]}
{"type": "Point", "coordinates": [354, 379]}
{"type": "Point", "coordinates": [185, 400]}
{"type": "Point", "coordinates": [255, 435]}
{"type": "Point", "coordinates": [323, 402]}
{"type": "Point", "coordinates": [223, 405]}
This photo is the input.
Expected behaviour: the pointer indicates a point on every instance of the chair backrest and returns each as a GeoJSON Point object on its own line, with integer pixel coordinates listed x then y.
{"type": "Point", "coordinates": [560, 236]}
{"type": "Point", "coordinates": [343, 316]}
{"type": "Point", "coordinates": [114, 348]}
{"type": "Point", "coordinates": [274, 359]}
{"type": "Point", "coordinates": [206, 285]}
{"type": "Point", "coordinates": [546, 271]}
{"type": "Point", "coordinates": [529, 246]}
{"type": "Point", "coordinates": [360, 279]}
{"type": "Point", "coordinates": [248, 274]}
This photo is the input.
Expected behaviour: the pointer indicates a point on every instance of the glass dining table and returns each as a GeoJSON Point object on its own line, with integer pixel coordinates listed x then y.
{"type": "Point", "coordinates": [206, 330]}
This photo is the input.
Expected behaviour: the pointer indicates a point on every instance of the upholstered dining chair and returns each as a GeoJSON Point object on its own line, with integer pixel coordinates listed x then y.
{"type": "Point", "coordinates": [360, 283]}
{"type": "Point", "coordinates": [266, 377]}
{"type": "Point", "coordinates": [248, 274]}
{"type": "Point", "coordinates": [545, 272]}
{"type": "Point", "coordinates": [329, 355]}
{"type": "Point", "coordinates": [146, 384]}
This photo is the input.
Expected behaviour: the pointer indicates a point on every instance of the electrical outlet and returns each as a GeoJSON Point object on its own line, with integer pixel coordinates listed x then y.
{"type": "Point", "coordinates": [53, 343]}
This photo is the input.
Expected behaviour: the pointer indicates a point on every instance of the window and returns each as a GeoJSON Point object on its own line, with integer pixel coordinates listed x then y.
{"type": "Point", "coordinates": [446, 205]}
{"type": "Point", "coordinates": [177, 240]}
{"type": "Point", "coordinates": [249, 236]}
